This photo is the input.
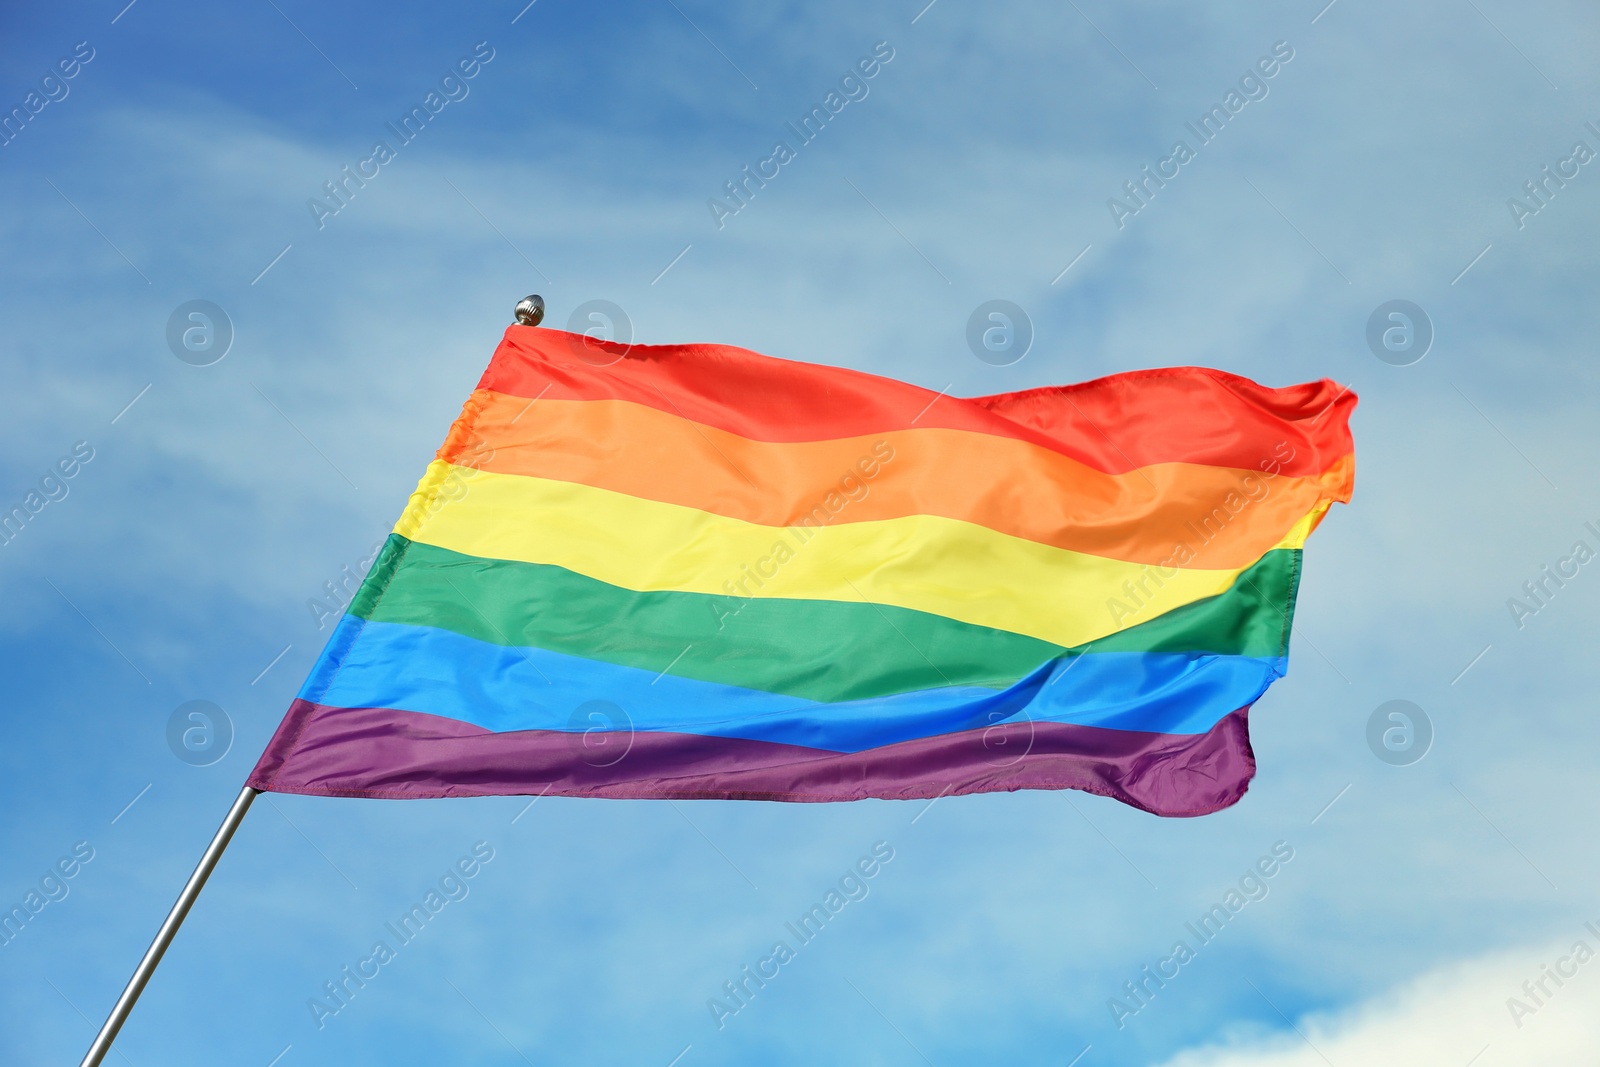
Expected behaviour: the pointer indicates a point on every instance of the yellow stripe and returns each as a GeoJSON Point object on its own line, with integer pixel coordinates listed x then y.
{"type": "Point", "coordinates": [928, 563]}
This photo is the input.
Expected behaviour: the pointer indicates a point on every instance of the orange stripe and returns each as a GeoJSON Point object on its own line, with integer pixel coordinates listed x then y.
{"type": "Point", "coordinates": [1007, 485]}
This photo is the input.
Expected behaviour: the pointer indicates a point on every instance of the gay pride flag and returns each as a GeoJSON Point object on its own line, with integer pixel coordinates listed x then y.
{"type": "Point", "coordinates": [696, 571]}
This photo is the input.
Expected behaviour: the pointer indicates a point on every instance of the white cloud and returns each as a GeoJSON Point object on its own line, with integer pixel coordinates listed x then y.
{"type": "Point", "coordinates": [1447, 1017]}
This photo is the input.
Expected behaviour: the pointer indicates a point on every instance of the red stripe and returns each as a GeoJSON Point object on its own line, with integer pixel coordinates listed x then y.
{"type": "Point", "coordinates": [1114, 424]}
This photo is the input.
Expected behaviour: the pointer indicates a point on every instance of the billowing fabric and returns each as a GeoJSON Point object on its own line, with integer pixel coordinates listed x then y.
{"type": "Point", "coordinates": [693, 571]}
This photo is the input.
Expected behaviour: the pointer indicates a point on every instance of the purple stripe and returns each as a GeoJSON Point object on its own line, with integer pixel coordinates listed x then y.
{"type": "Point", "coordinates": [403, 755]}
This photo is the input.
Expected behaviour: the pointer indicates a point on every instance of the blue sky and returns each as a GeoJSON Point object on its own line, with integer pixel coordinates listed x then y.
{"type": "Point", "coordinates": [176, 165]}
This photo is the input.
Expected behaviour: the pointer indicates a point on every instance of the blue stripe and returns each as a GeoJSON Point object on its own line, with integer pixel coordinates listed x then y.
{"type": "Point", "coordinates": [439, 672]}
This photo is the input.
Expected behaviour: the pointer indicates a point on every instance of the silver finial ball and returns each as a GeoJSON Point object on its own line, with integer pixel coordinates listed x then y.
{"type": "Point", "coordinates": [530, 310]}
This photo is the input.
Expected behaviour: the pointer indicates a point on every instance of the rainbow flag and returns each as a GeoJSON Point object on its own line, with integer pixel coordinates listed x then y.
{"type": "Point", "coordinates": [693, 571]}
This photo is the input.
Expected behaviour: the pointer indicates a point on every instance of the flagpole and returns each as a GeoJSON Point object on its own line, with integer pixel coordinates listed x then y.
{"type": "Point", "coordinates": [529, 312]}
{"type": "Point", "coordinates": [152, 955]}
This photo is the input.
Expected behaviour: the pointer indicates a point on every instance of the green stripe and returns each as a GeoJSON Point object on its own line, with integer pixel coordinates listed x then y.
{"type": "Point", "coordinates": [817, 649]}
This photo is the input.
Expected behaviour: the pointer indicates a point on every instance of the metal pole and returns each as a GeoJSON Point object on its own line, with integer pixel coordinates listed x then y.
{"type": "Point", "coordinates": [530, 310]}
{"type": "Point", "coordinates": [152, 955]}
